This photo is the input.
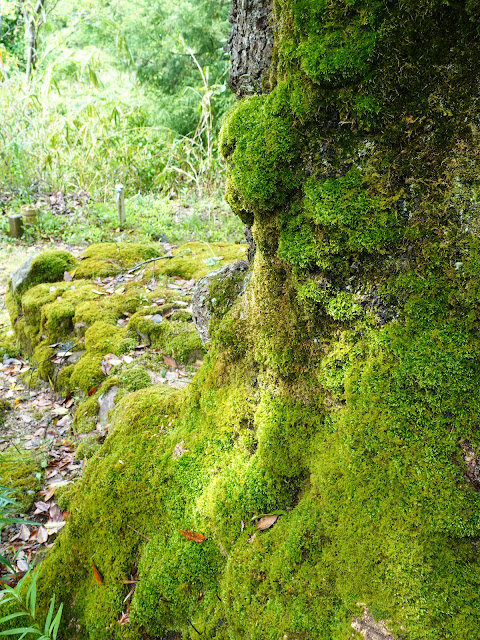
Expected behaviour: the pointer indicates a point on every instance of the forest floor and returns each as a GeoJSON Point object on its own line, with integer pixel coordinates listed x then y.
{"type": "Point", "coordinates": [36, 424]}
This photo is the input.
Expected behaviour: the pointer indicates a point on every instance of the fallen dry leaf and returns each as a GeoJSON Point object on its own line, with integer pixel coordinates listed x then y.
{"type": "Point", "coordinates": [179, 450]}
{"type": "Point", "coordinates": [24, 533]}
{"type": "Point", "coordinates": [50, 493]}
{"type": "Point", "coordinates": [22, 564]}
{"type": "Point", "coordinates": [170, 362]}
{"type": "Point", "coordinates": [42, 535]}
{"type": "Point", "coordinates": [190, 535]}
{"type": "Point", "coordinates": [42, 507]}
{"type": "Point", "coordinates": [53, 527]}
{"type": "Point", "coordinates": [97, 574]}
{"type": "Point", "coordinates": [266, 522]}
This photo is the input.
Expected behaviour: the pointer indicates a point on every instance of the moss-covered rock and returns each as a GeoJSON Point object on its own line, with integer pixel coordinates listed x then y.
{"type": "Point", "coordinates": [107, 259]}
{"type": "Point", "coordinates": [48, 266]}
{"type": "Point", "coordinates": [196, 259]}
{"type": "Point", "coordinates": [136, 378]}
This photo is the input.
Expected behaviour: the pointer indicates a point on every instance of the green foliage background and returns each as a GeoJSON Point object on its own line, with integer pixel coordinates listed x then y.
{"type": "Point", "coordinates": [120, 94]}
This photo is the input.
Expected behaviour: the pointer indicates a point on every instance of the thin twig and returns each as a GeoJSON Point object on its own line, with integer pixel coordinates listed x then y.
{"type": "Point", "coordinates": [140, 534]}
{"type": "Point", "coordinates": [194, 627]}
{"type": "Point", "coordinates": [138, 266]}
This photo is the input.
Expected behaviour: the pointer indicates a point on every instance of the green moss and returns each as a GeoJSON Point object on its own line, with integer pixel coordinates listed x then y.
{"type": "Point", "coordinates": [63, 494]}
{"type": "Point", "coordinates": [43, 356]}
{"type": "Point", "coordinates": [111, 308]}
{"type": "Point", "coordinates": [48, 310]}
{"type": "Point", "coordinates": [64, 378]}
{"type": "Point", "coordinates": [182, 342]}
{"type": "Point", "coordinates": [179, 338]}
{"type": "Point", "coordinates": [107, 259]}
{"type": "Point", "coordinates": [181, 315]}
{"type": "Point", "coordinates": [103, 338]}
{"type": "Point", "coordinates": [87, 372]}
{"type": "Point", "coordinates": [261, 145]}
{"type": "Point", "coordinates": [196, 259]}
{"type": "Point", "coordinates": [5, 407]}
{"type": "Point", "coordinates": [21, 471]}
{"type": "Point", "coordinates": [49, 266]}
{"type": "Point", "coordinates": [343, 307]}
{"type": "Point", "coordinates": [86, 414]}
{"type": "Point", "coordinates": [135, 378]}
{"type": "Point", "coordinates": [88, 447]}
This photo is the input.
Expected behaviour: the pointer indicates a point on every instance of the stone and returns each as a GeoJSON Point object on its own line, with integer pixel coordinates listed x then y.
{"type": "Point", "coordinates": [21, 275]}
{"type": "Point", "coordinates": [370, 629]}
{"type": "Point", "coordinates": [215, 293]}
{"type": "Point", "coordinates": [106, 403]}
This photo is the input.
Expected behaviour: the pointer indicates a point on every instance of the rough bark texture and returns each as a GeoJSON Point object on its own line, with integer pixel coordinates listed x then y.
{"type": "Point", "coordinates": [250, 46]}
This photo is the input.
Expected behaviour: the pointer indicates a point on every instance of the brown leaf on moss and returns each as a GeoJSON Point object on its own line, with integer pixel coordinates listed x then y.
{"type": "Point", "coordinates": [266, 522]}
{"type": "Point", "coordinates": [92, 390]}
{"type": "Point", "coordinates": [190, 535]}
{"type": "Point", "coordinates": [97, 574]}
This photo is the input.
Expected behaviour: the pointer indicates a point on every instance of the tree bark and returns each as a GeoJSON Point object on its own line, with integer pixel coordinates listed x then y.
{"type": "Point", "coordinates": [250, 46]}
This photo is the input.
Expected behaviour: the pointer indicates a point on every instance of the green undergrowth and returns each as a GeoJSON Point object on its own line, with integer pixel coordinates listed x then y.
{"type": "Point", "coordinates": [21, 470]}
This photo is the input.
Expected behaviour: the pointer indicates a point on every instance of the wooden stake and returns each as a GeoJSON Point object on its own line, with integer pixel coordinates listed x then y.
{"type": "Point", "coordinates": [120, 197]}
{"type": "Point", "coordinates": [16, 226]}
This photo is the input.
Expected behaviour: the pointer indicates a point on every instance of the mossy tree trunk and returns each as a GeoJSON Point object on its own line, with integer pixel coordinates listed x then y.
{"type": "Point", "coordinates": [343, 387]}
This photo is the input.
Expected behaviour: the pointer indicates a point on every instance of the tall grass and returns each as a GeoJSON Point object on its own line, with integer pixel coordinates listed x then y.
{"type": "Point", "coordinates": [81, 124]}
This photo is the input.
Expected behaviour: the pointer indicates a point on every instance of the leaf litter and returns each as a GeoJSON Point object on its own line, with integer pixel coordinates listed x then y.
{"type": "Point", "coordinates": [41, 421]}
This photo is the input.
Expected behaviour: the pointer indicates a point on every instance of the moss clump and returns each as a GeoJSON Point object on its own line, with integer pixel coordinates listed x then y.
{"type": "Point", "coordinates": [43, 356]}
{"type": "Point", "coordinates": [261, 144]}
{"type": "Point", "coordinates": [5, 407]}
{"type": "Point", "coordinates": [110, 308]}
{"type": "Point", "coordinates": [103, 338]}
{"type": "Point", "coordinates": [135, 378]}
{"type": "Point", "coordinates": [183, 342]}
{"type": "Point", "coordinates": [88, 372]}
{"type": "Point", "coordinates": [47, 311]}
{"type": "Point", "coordinates": [107, 259]}
{"type": "Point", "coordinates": [181, 315]}
{"type": "Point", "coordinates": [179, 338]}
{"type": "Point", "coordinates": [64, 379]}
{"type": "Point", "coordinates": [196, 259]}
{"type": "Point", "coordinates": [63, 494]}
{"type": "Point", "coordinates": [21, 471]}
{"type": "Point", "coordinates": [49, 266]}
{"type": "Point", "coordinates": [88, 447]}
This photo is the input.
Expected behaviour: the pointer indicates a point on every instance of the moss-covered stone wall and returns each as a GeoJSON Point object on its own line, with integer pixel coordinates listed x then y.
{"type": "Point", "coordinates": [342, 389]}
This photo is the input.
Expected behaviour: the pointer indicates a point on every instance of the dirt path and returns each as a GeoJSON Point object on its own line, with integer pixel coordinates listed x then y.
{"type": "Point", "coordinates": [35, 421]}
